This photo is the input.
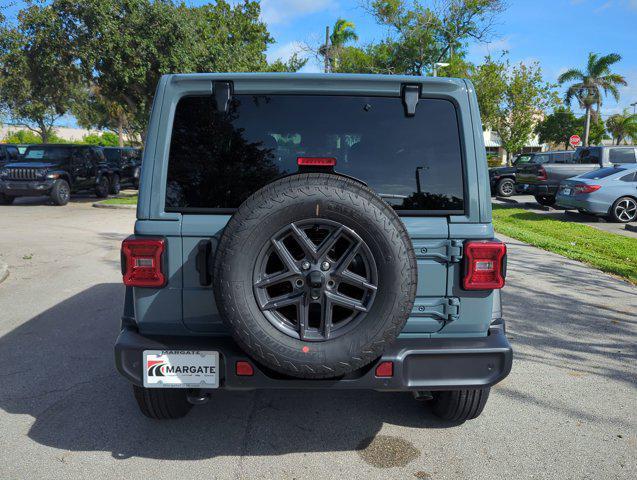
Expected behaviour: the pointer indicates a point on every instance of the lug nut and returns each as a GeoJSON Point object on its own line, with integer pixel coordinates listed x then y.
{"type": "Point", "coordinates": [305, 265]}
{"type": "Point", "coordinates": [325, 266]}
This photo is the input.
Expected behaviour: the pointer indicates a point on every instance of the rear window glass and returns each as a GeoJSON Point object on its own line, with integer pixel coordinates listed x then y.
{"type": "Point", "coordinates": [111, 154]}
{"type": "Point", "coordinates": [588, 155]}
{"type": "Point", "coordinates": [621, 155]}
{"type": "Point", "coordinates": [602, 173]}
{"type": "Point", "coordinates": [217, 160]}
{"type": "Point", "coordinates": [46, 153]}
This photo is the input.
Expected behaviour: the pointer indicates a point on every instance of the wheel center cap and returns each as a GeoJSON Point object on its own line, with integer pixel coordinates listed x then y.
{"type": "Point", "coordinates": [315, 279]}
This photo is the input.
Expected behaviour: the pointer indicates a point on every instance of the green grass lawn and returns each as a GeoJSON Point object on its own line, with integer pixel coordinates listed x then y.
{"type": "Point", "coordinates": [609, 252]}
{"type": "Point", "coordinates": [132, 200]}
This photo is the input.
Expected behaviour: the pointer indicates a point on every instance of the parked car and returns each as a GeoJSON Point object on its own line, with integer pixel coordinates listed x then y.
{"type": "Point", "coordinates": [128, 161]}
{"type": "Point", "coordinates": [503, 179]}
{"type": "Point", "coordinates": [543, 179]}
{"type": "Point", "coordinates": [609, 191]}
{"type": "Point", "coordinates": [313, 231]}
{"type": "Point", "coordinates": [8, 153]}
{"type": "Point", "coordinates": [56, 170]}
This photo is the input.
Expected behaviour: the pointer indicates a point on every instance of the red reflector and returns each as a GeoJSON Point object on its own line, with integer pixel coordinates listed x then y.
{"type": "Point", "coordinates": [316, 161]}
{"type": "Point", "coordinates": [484, 265]}
{"type": "Point", "coordinates": [579, 189]}
{"type": "Point", "coordinates": [142, 262]}
{"type": "Point", "coordinates": [385, 369]}
{"type": "Point", "coordinates": [243, 369]}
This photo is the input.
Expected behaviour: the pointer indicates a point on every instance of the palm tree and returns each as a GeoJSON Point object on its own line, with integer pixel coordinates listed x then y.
{"type": "Point", "coordinates": [589, 85]}
{"type": "Point", "coordinates": [342, 32]}
{"type": "Point", "coordinates": [622, 126]}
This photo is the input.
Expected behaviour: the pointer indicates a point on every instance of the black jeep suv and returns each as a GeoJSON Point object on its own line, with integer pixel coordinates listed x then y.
{"type": "Point", "coordinates": [128, 162]}
{"type": "Point", "coordinates": [57, 170]}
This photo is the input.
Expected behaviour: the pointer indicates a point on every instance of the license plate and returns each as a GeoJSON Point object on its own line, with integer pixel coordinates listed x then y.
{"type": "Point", "coordinates": [566, 191]}
{"type": "Point", "coordinates": [181, 369]}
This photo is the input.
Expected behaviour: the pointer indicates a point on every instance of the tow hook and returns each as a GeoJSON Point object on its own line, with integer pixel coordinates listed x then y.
{"type": "Point", "coordinates": [422, 395]}
{"type": "Point", "coordinates": [197, 397]}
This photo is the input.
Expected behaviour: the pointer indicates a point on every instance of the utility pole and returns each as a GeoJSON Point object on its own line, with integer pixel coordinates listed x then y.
{"type": "Point", "coordinates": [327, 49]}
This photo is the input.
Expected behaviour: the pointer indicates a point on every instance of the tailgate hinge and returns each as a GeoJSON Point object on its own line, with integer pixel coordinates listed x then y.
{"type": "Point", "coordinates": [452, 309]}
{"type": "Point", "coordinates": [449, 251]}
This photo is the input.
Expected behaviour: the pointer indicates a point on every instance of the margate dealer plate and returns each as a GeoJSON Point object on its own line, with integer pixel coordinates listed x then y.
{"type": "Point", "coordinates": [181, 369]}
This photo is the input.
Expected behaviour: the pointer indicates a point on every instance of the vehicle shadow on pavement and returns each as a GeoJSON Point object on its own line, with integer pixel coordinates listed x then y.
{"type": "Point", "coordinates": [59, 369]}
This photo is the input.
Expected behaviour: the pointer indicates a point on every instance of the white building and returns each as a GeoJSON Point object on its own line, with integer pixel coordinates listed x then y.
{"type": "Point", "coordinates": [67, 133]}
{"type": "Point", "coordinates": [494, 145]}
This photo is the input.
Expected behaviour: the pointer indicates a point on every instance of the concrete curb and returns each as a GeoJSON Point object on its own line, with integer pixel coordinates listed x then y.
{"type": "Point", "coordinates": [4, 271]}
{"type": "Point", "coordinates": [116, 207]}
{"type": "Point", "coordinates": [630, 228]}
{"type": "Point", "coordinates": [506, 199]}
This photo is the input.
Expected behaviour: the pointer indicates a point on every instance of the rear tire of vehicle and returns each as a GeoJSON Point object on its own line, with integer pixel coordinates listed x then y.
{"type": "Point", "coordinates": [624, 210]}
{"type": "Point", "coordinates": [315, 198]}
{"type": "Point", "coordinates": [505, 187]}
{"type": "Point", "coordinates": [459, 405]}
{"type": "Point", "coordinates": [162, 403]}
{"type": "Point", "coordinates": [102, 187]}
{"type": "Point", "coordinates": [115, 185]}
{"type": "Point", "coordinates": [545, 200]}
{"type": "Point", "coordinates": [6, 199]}
{"type": "Point", "coordinates": [60, 192]}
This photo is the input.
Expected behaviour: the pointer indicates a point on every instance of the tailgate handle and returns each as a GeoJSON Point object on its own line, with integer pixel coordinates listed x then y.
{"type": "Point", "coordinates": [203, 262]}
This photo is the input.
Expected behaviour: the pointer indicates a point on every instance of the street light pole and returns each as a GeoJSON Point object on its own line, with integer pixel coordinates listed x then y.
{"type": "Point", "coordinates": [438, 64]}
{"type": "Point", "coordinates": [634, 104]}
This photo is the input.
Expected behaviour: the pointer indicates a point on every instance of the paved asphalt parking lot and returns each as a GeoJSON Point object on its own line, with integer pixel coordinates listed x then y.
{"type": "Point", "coordinates": [528, 202]}
{"type": "Point", "coordinates": [567, 411]}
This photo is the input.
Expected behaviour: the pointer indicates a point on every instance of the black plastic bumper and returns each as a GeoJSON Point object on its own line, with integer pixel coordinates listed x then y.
{"type": "Point", "coordinates": [26, 188]}
{"type": "Point", "coordinates": [419, 364]}
{"type": "Point", "coordinates": [532, 189]}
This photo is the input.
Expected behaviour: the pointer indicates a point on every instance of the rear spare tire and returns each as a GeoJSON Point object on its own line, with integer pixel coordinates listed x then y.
{"type": "Point", "coordinates": [315, 275]}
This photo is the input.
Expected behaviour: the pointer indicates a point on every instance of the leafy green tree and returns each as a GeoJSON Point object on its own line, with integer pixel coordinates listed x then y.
{"type": "Point", "coordinates": [124, 46]}
{"type": "Point", "coordinates": [597, 129]}
{"type": "Point", "coordinates": [29, 137]}
{"type": "Point", "coordinates": [421, 36]}
{"type": "Point", "coordinates": [622, 126]}
{"type": "Point", "coordinates": [39, 80]}
{"type": "Point", "coordinates": [512, 98]}
{"type": "Point", "coordinates": [557, 127]}
{"type": "Point", "coordinates": [106, 139]}
{"type": "Point", "coordinates": [590, 83]}
{"type": "Point", "coordinates": [343, 32]}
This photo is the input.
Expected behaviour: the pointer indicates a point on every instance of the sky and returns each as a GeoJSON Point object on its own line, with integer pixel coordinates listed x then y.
{"type": "Point", "coordinates": [556, 33]}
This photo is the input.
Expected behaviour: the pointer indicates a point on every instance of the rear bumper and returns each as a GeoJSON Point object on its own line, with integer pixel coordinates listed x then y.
{"type": "Point", "coordinates": [419, 364]}
{"type": "Point", "coordinates": [582, 202]}
{"type": "Point", "coordinates": [25, 187]}
{"type": "Point", "coordinates": [532, 189]}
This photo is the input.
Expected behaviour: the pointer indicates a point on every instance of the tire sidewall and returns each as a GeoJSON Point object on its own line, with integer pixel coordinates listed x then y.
{"type": "Point", "coordinates": [115, 186]}
{"type": "Point", "coordinates": [614, 217]}
{"type": "Point", "coordinates": [501, 193]}
{"type": "Point", "coordinates": [60, 184]}
{"type": "Point", "coordinates": [103, 186]}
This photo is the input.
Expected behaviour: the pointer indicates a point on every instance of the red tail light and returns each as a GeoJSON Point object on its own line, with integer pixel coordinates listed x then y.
{"type": "Point", "coordinates": [316, 161]}
{"type": "Point", "coordinates": [243, 369]}
{"type": "Point", "coordinates": [385, 370]}
{"type": "Point", "coordinates": [579, 189]}
{"type": "Point", "coordinates": [541, 174]}
{"type": "Point", "coordinates": [142, 262]}
{"type": "Point", "coordinates": [484, 265]}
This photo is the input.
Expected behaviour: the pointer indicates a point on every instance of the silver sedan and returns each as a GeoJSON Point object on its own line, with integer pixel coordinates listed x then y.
{"type": "Point", "coordinates": [609, 191]}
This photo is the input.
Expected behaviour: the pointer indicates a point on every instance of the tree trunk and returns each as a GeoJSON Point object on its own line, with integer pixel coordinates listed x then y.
{"type": "Point", "coordinates": [44, 132]}
{"type": "Point", "coordinates": [120, 131]}
{"type": "Point", "coordinates": [587, 130]}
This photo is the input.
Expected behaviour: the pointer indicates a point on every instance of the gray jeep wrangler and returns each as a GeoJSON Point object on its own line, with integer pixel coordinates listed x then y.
{"type": "Point", "coordinates": [313, 231]}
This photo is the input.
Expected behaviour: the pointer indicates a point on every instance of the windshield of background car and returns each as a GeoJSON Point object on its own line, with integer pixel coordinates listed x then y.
{"type": "Point", "coordinates": [522, 160]}
{"type": "Point", "coordinates": [219, 159]}
{"type": "Point", "coordinates": [52, 153]}
{"type": "Point", "coordinates": [602, 173]}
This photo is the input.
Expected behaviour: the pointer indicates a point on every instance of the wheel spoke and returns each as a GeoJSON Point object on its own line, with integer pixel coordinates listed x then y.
{"type": "Point", "coordinates": [303, 315]}
{"type": "Point", "coordinates": [330, 241]}
{"type": "Point", "coordinates": [347, 302]}
{"type": "Point", "coordinates": [326, 317]}
{"type": "Point", "coordinates": [293, 298]}
{"type": "Point", "coordinates": [347, 258]}
{"type": "Point", "coordinates": [356, 280]}
{"type": "Point", "coordinates": [274, 279]}
{"type": "Point", "coordinates": [304, 242]}
{"type": "Point", "coordinates": [285, 256]}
